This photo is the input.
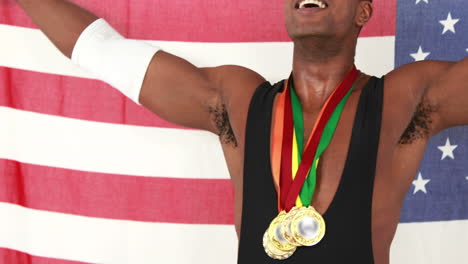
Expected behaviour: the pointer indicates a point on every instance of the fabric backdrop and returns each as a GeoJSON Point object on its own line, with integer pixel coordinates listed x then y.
{"type": "Point", "coordinates": [87, 176]}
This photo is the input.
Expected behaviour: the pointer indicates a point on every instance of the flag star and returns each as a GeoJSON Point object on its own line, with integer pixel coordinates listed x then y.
{"type": "Point", "coordinates": [449, 24]}
{"type": "Point", "coordinates": [420, 55]}
{"type": "Point", "coordinates": [447, 150]}
{"type": "Point", "coordinates": [426, 1]}
{"type": "Point", "coordinates": [420, 184]}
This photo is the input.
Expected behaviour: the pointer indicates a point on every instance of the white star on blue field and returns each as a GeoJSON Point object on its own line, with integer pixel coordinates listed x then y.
{"type": "Point", "coordinates": [436, 30]}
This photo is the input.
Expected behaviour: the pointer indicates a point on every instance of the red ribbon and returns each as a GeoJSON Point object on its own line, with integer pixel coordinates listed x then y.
{"type": "Point", "coordinates": [290, 188]}
{"type": "Point", "coordinates": [286, 179]}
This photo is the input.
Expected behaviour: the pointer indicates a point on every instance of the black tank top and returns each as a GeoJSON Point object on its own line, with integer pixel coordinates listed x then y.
{"type": "Point", "coordinates": [348, 237]}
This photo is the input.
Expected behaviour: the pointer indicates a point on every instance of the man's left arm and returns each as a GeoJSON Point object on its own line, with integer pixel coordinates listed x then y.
{"type": "Point", "coordinates": [447, 87]}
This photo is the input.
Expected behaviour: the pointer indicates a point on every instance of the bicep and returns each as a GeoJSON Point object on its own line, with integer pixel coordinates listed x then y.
{"type": "Point", "coordinates": [180, 92]}
{"type": "Point", "coordinates": [448, 87]}
{"type": "Point", "coordinates": [186, 95]}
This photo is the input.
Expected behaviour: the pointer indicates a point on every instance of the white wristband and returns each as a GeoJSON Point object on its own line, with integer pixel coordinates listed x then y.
{"type": "Point", "coordinates": [109, 56]}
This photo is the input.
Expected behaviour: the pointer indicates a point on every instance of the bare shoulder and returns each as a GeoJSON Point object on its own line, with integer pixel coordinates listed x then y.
{"type": "Point", "coordinates": [238, 85]}
{"type": "Point", "coordinates": [415, 78]}
{"type": "Point", "coordinates": [234, 78]}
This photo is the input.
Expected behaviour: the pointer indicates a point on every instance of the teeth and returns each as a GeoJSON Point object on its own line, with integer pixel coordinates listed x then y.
{"type": "Point", "coordinates": [316, 2]}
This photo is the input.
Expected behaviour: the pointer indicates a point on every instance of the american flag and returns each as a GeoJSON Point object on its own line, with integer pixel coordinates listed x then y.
{"type": "Point", "coordinates": [436, 30]}
{"type": "Point", "coordinates": [87, 176]}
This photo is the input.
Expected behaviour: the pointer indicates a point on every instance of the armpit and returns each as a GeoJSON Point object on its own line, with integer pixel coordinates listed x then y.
{"type": "Point", "coordinates": [420, 125]}
{"type": "Point", "coordinates": [220, 117]}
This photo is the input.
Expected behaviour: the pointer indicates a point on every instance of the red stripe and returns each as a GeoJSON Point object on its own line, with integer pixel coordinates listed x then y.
{"type": "Point", "coordinates": [72, 97]}
{"type": "Point", "coordinates": [9, 256]}
{"type": "Point", "coordinates": [201, 20]}
{"type": "Point", "coordinates": [167, 200]}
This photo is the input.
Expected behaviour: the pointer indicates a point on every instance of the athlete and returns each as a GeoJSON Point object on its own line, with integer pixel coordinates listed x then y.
{"type": "Point", "coordinates": [370, 163]}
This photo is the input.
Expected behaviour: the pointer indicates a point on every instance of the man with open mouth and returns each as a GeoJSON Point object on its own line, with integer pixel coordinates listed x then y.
{"type": "Point", "coordinates": [320, 162]}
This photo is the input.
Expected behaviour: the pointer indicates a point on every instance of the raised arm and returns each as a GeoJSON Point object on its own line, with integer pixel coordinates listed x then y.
{"type": "Point", "coordinates": [439, 87]}
{"type": "Point", "coordinates": [172, 87]}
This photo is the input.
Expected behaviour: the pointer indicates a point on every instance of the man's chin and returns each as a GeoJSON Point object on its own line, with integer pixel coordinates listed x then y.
{"type": "Point", "coordinates": [305, 35]}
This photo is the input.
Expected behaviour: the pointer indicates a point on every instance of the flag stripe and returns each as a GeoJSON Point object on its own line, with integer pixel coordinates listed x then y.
{"type": "Point", "coordinates": [152, 199]}
{"type": "Point", "coordinates": [203, 21]}
{"type": "Point", "coordinates": [28, 49]}
{"type": "Point", "coordinates": [61, 93]}
{"type": "Point", "coordinates": [109, 148]}
{"type": "Point", "coordinates": [96, 240]}
{"type": "Point", "coordinates": [431, 243]}
{"type": "Point", "coordinates": [72, 97]}
{"type": "Point", "coordinates": [9, 256]}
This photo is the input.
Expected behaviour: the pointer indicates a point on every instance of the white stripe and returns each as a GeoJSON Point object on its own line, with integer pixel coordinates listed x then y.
{"type": "Point", "coordinates": [431, 243]}
{"type": "Point", "coordinates": [109, 148]}
{"type": "Point", "coordinates": [95, 240]}
{"type": "Point", "coordinates": [28, 49]}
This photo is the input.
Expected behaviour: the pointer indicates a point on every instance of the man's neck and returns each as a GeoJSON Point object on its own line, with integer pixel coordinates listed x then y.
{"type": "Point", "coordinates": [318, 69]}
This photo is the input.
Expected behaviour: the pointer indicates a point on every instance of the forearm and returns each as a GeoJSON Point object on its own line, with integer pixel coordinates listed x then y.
{"type": "Point", "coordinates": [61, 21]}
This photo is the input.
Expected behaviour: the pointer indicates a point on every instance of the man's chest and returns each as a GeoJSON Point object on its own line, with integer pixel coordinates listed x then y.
{"type": "Point", "coordinates": [395, 161]}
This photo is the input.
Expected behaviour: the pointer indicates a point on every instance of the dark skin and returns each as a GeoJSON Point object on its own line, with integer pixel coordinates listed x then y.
{"type": "Point", "coordinates": [421, 99]}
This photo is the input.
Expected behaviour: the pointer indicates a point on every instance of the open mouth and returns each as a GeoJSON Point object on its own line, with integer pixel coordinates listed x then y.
{"type": "Point", "coordinates": [310, 4]}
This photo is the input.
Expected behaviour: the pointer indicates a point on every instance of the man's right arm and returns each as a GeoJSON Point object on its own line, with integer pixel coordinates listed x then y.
{"type": "Point", "coordinates": [172, 88]}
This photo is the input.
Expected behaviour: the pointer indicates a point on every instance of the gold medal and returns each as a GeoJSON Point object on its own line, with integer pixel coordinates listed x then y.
{"type": "Point", "coordinates": [275, 235]}
{"type": "Point", "coordinates": [286, 227]}
{"type": "Point", "coordinates": [274, 252]}
{"type": "Point", "coordinates": [308, 226]}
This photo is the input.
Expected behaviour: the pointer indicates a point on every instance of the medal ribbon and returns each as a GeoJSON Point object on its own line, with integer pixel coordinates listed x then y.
{"type": "Point", "coordinates": [286, 177]}
{"type": "Point", "coordinates": [277, 141]}
{"type": "Point", "coordinates": [308, 189]}
{"type": "Point", "coordinates": [289, 187]}
{"type": "Point", "coordinates": [290, 194]}
{"type": "Point", "coordinates": [296, 156]}
{"type": "Point", "coordinates": [298, 144]}
{"type": "Point", "coordinates": [277, 144]}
